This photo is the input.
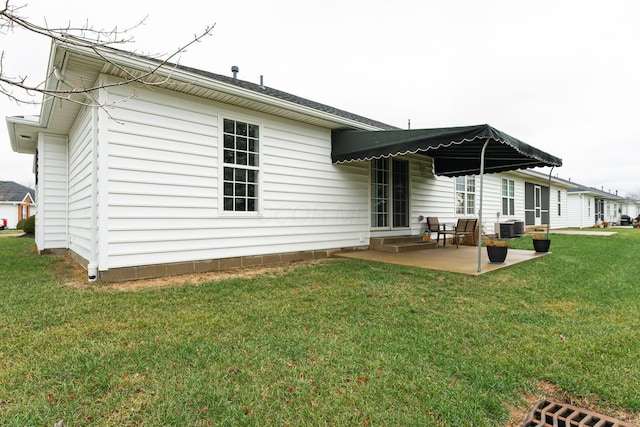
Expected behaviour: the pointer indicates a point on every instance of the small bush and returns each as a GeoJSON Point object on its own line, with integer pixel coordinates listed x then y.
{"type": "Point", "coordinates": [29, 225]}
{"type": "Point", "coordinates": [20, 224]}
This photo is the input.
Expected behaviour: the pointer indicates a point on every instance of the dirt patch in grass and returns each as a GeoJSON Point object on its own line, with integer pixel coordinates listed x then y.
{"type": "Point", "coordinates": [550, 391]}
{"type": "Point", "coordinates": [76, 276]}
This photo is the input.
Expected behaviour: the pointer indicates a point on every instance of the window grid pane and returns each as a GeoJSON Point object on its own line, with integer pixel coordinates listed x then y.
{"type": "Point", "coordinates": [471, 184]}
{"type": "Point", "coordinates": [460, 203]}
{"type": "Point", "coordinates": [471, 204]}
{"type": "Point", "coordinates": [241, 159]}
{"type": "Point", "coordinates": [465, 195]}
{"type": "Point", "coordinates": [380, 193]}
{"type": "Point", "coordinates": [508, 197]}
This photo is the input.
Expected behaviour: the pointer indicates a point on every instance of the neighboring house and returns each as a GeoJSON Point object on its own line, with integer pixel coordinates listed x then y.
{"type": "Point", "coordinates": [509, 196]}
{"type": "Point", "coordinates": [631, 208]}
{"type": "Point", "coordinates": [16, 202]}
{"type": "Point", "coordinates": [204, 171]}
{"type": "Point", "coordinates": [545, 199]}
{"type": "Point", "coordinates": [589, 206]}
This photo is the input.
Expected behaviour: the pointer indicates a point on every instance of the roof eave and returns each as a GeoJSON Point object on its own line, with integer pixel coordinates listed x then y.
{"type": "Point", "coordinates": [184, 76]}
{"type": "Point", "coordinates": [20, 142]}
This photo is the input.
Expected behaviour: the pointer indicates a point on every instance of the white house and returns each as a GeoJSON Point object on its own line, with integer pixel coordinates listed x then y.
{"type": "Point", "coordinates": [204, 171]}
{"type": "Point", "coordinates": [16, 203]}
{"type": "Point", "coordinates": [546, 199]}
{"type": "Point", "coordinates": [589, 206]}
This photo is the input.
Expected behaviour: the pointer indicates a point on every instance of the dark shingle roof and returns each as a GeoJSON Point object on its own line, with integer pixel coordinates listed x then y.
{"type": "Point", "coordinates": [13, 192]}
{"type": "Point", "coordinates": [275, 93]}
{"type": "Point", "coordinates": [579, 188]}
{"type": "Point", "coordinates": [264, 90]}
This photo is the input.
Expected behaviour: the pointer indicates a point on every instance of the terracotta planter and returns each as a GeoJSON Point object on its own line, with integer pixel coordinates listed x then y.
{"type": "Point", "coordinates": [541, 245]}
{"type": "Point", "coordinates": [497, 254]}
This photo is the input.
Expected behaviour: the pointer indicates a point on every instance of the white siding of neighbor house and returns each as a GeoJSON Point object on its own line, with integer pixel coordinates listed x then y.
{"type": "Point", "coordinates": [559, 219]}
{"type": "Point", "coordinates": [9, 211]}
{"type": "Point", "coordinates": [581, 208]}
{"type": "Point", "coordinates": [80, 170]}
{"type": "Point", "coordinates": [630, 208]}
{"type": "Point", "coordinates": [51, 196]}
{"type": "Point", "coordinates": [164, 189]}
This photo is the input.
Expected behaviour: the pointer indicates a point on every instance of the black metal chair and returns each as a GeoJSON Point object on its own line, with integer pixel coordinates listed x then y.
{"type": "Point", "coordinates": [434, 226]}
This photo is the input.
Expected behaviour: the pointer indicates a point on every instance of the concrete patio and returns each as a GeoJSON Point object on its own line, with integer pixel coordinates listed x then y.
{"type": "Point", "coordinates": [445, 258]}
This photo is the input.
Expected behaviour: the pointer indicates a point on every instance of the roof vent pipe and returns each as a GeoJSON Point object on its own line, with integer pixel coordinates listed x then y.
{"type": "Point", "coordinates": [235, 70]}
{"type": "Point", "coordinates": [261, 81]}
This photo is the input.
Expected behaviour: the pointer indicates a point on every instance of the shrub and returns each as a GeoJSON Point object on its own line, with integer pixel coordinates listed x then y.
{"type": "Point", "coordinates": [21, 224]}
{"type": "Point", "coordinates": [29, 225]}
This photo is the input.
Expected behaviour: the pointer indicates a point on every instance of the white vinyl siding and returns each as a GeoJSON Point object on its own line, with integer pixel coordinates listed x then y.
{"type": "Point", "coordinates": [80, 170]}
{"type": "Point", "coordinates": [580, 208]}
{"type": "Point", "coordinates": [51, 195]}
{"type": "Point", "coordinates": [559, 208]}
{"type": "Point", "coordinates": [162, 182]}
{"type": "Point", "coordinates": [164, 177]}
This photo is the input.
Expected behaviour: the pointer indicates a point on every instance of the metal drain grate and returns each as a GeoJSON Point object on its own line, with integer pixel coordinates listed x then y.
{"type": "Point", "coordinates": [553, 414]}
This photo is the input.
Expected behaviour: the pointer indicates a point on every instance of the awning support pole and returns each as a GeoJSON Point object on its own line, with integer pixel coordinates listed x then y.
{"type": "Point", "coordinates": [549, 212]}
{"type": "Point", "coordinates": [484, 149]}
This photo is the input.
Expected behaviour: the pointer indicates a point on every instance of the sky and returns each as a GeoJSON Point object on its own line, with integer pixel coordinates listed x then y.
{"type": "Point", "coordinates": [563, 76]}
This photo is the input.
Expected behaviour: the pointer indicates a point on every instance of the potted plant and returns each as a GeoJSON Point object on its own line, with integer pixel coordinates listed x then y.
{"type": "Point", "coordinates": [541, 242]}
{"type": "Point", "coordinates": [496, 249]}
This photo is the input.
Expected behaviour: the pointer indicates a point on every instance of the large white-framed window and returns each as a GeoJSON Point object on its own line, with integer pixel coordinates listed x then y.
{"type": "Point", "coordinates": [240, 166]}
{"type": "Point", "coordinates": [389, 193]}
{"type": "Point", "coordinates": [465, 195]}
{"type": "Point", "coordinates": [508, 197]}
{"type": "Point", "coordinates": [380, 193]}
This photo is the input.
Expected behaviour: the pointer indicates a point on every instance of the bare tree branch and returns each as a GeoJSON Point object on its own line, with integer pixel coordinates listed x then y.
{"type": "Point", "coordinates": [99, 41]}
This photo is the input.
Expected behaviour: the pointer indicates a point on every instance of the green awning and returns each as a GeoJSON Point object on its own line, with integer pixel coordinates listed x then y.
{"type": "Point", "coordinates": [455, 151]}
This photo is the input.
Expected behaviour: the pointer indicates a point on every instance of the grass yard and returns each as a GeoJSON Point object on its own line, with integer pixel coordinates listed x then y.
{"type": "Point", "coordinates": [339, 343]}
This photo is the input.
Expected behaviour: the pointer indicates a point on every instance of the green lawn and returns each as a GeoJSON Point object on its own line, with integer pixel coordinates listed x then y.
{"type": "Point", "coordinates": [340, 343]}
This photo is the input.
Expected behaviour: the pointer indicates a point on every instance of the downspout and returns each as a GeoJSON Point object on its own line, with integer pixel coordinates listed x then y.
{"type": "Point", "coordinates": [92, 267]}
{"type": "Point", "coordinates": [582, 209]}
{"type": "Point", "coordinates": [549, 225]}
{"type": "Point", "coordinates": [484, 149]}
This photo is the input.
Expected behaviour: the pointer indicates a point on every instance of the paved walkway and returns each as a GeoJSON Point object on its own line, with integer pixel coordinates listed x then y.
{"type": "Point", "coordinates": [16, 234]}
{"type": "Point", "coordinates": [585, 232]}
{"type": "Point", "coordinates": [449, 258]}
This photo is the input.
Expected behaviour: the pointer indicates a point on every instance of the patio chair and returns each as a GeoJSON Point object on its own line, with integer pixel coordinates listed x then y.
{"type": "Point", "coordinates": [465, 227]}
{"type": "Point", "coordinates": [434, 226]}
